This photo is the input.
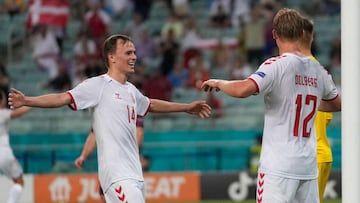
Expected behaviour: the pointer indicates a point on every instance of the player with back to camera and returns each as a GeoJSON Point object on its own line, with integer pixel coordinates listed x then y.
{"type": "Point", "coordinates": [322, 119]}
{"type": "Point", "coordinates": [294, 88]}
{"type": "Point", "coordinates": [9, 165]}
{"type": "Point", "coordinates": [116, 103]}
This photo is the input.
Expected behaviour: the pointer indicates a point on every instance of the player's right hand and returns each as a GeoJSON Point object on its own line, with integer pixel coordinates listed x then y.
{"type": "Point", "coordinates": [209, 85]}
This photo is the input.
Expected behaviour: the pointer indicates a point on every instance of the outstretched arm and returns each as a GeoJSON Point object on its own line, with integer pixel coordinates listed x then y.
{"type": "Point", "coordinates": [89, 147]}
{"type": "Point", "coordinates": [19, 112]}
{"type": "Point", "coordinates": [199, 108]}
{"type": "Point", "coordinates": [234, 88]}
{"type": "Point", "coordinates": [18, 99]}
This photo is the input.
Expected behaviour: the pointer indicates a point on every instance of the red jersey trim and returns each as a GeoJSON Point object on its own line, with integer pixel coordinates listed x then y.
{"type": "Point", "coordinates": [147, 110]}
{"type": "Point", "coordinates": [140, 121]}
{"type": "Point", "coordinates": [257, 86]}
{"type": "Point", "coordinates": [72, 105]}
{"type": "Point", "coordinates": [331, 99]}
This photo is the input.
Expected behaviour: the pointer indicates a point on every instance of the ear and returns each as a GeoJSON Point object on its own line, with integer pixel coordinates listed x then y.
{"type": "Point", "coordinates": [303, 34]}
{"type": "Point", "coordinates": [111, 57]}
{"type": "Point", "coordinates": [274, 35]}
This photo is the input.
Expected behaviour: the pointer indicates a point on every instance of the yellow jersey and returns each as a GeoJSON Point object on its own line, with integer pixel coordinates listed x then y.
{"type": "Point", "coordinates": [323, 147]}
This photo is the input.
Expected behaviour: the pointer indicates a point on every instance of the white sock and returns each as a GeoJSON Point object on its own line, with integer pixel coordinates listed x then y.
{"type": "Point", "coordinates": [15, 193]}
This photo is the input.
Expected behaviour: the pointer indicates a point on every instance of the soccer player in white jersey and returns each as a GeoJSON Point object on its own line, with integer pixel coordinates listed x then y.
{"type": "Point", "coordinates": [9, 165]}
{"type": "Point", "coordinates": [294, 88]}
{"type": "Point", "coordinates": [116, 104]}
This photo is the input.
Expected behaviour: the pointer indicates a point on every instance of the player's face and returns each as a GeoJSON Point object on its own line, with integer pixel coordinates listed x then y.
{"type": "Point", "coordinates": [124, 57]}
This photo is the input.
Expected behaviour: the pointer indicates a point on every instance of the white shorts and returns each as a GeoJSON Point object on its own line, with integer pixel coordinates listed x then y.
{"type": "Point", "coordinates": [126, 191]}
{"type": "Point", "coordinates": [275, 189]}
{"type": "Point", "coordinates": [9, 165]}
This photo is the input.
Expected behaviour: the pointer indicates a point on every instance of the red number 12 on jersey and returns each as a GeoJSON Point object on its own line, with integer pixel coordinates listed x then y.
{"type": "Point", "coordinates": [309, 100]}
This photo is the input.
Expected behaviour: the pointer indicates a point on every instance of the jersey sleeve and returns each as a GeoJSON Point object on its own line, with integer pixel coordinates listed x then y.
{"type": "Point", "coordinates": [263, 77]}
{"type": "Point", "coordinates": [142, 102]}
{"type": "Point", "coordinates": [86, 94]}
{"type": "Point", "coordinates": [330, 90]}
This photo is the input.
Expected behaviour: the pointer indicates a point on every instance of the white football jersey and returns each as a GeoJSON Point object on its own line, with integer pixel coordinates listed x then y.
{"type": "Point", "coordinates": [8, 162]}
{"type": "Point", "coordinates": [115, 108]}
{"type": "Point", "coordinates": [4, 134]}
{"type": "Point", "coordinates": [293, 87]}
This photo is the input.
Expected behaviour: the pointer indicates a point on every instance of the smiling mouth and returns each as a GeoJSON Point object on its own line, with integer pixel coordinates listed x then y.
{"type": "Point", "coordinates": [132, 64]}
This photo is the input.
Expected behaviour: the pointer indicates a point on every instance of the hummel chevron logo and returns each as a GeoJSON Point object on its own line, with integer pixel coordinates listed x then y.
{"type": "Point", "coordinates": [261, 183]}
{"type": "Point", "coordinates": [121, 195]}
{"type": "Point", "coordinates": [118, 190]}
{"type": "Point", "coordinates": [117, 96]}
{"type": "Point", "coordinates": [260, 189]}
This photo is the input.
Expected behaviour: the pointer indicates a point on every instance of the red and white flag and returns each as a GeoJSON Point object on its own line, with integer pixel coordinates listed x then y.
{"type": "Point", "coordinates": [48, 12]}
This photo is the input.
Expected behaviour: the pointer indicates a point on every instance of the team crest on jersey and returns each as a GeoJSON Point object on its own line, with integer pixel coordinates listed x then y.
{"type": "Point", "coordinates": [261, 74]}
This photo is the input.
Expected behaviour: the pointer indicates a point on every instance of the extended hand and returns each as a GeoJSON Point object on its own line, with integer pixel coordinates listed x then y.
{"type": "Point", "coordinates": [209, 85]}
{"type": "Point", "coordinates": [16, 99]}
{"type": "Point", "coordinates": [200, 108]}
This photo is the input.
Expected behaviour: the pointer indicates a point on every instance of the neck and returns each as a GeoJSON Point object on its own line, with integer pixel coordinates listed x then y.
{"type": "Point", "coordinates": [294, 48]}
{"type": "Point", "coordinates": [288, 47]}
{"type": "Point", "coordinates": [118, 76]}
{"type": "Point", "coordinates": [305, 50]}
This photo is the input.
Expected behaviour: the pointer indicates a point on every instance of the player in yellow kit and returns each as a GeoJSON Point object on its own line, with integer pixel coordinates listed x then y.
{"type": "Point", "coordinates": [324, 155]}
